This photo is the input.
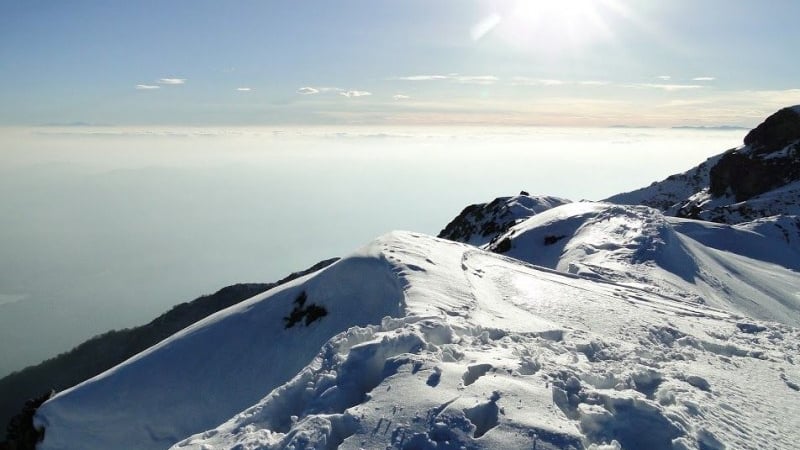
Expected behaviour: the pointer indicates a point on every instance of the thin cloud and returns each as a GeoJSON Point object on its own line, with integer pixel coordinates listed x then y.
{"type": "Point", "coordinates": [525, 81]}
{"type": "Point", "coordinates": [664, 77]}
{"type": "Point", "coordinates": [423, 78]}
{"type": "Point", "coordinates": [308, 90]}
{"type": "Point", "coordinates": [144, 87]}
{"type": "Point", "coordinates": [704, 79]}
{"type": "Point", "coordinates": [244, 89]}
{"type": "Point", "coordinates": [352, 94]}
{"type": "Point", "coordinates": [400, 97]}
{"type": "Point", "coordinates": [465, 79]}
{"type": "Point", "coordinates": [669, 87]}
{"type": "Point", "coordinates": [172, 81]}
{"type": "Point", "coordinates": [479, 79]}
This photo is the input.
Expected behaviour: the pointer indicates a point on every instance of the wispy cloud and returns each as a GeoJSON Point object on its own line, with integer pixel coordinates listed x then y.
{"type": "Point", "coordinates": [479, 79]}
{"type": "Point", "coordinates": [704, 79]}
{"type": "Point", "coordinates": [526, 81]}
{"type": "Point", "coordinates": [308, 90]}
{"type": "Point", "coordinates": [664, 77]}
{"type": "Point", "coordinates": [172, 81]}
{"type": "Point", "coordinates": [351, 94]}
{"type": "Point", "coordinates": [423, 77]}
{"type": "Point", "coordinates": [400, 97]}
{"type": "Point", "coordinates": [454, 77]}
{"type": "Point", "coordinates": [668, 87]}
{"type": "Point", "coordinates": [244, 89]}
{"type": "Point", "coordinates": [144, 87]}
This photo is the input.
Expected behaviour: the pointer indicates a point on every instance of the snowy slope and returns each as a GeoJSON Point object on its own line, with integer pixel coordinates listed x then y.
{"type": "Point", "coordinates": [478, 351]}
{"type": "Point", "coordinates": [220, 365]}
{"type": "Point", "coordinates": [758, 179]}
{"type": "Point", "coordinates": [734, 268]}
{"type": "Point", "coordinates": [669, 194]}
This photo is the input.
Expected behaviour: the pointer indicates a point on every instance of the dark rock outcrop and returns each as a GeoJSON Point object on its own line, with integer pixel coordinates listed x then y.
{"type": "Point", "coordinates": [778, 131]}
{"type": "Point", "coordinates": [480, 223]}
{"type": "Point", "coordinates": [759, 179]}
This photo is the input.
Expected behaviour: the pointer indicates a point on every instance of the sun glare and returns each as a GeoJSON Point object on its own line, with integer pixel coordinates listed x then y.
{"type": "Point", "coordinates": [555, 26]}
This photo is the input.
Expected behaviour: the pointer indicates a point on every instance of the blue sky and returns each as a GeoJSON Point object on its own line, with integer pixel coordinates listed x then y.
{"type": "Point", "coordinates": [413, 62]}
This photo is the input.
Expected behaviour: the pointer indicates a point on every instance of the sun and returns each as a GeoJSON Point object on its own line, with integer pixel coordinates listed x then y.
{"type": "Point", "coordinates": [549, 25]}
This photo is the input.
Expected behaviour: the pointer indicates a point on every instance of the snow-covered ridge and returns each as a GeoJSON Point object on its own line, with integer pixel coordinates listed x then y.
{"type": "Point", "coordinates": [689, 259]}
{"type": "Point", "coordinates": [759, 179]}
{"type": "Point", "coordinates": [220, 365]}
{"type": "Point", "coordinates": [573, 326]}
{"type": "Point", "coordinates": [478, 351]}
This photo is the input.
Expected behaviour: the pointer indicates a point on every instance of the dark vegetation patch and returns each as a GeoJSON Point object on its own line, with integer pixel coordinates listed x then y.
{"type": "Point", "coordinates": [301, 312]}
{"type": "Point", "coordinates": [21, 434]}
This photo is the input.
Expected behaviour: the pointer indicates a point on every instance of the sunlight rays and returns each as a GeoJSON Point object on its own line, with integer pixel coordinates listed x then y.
{"type": "Point", "coordinates": [553, 27]}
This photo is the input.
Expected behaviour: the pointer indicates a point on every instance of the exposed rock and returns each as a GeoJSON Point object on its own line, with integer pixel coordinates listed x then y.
{"type": "Point", "coordinates": [757, 180]}
{"type": "Point", "coordinates": [480, 223]}
{"type": "Point", "coordinates": [778, 131]}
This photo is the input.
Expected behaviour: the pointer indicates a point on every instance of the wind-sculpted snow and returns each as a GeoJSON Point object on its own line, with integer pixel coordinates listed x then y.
{"type": "Point", "coordinates": [748, 269]}
{"type": "Point", "coordinates": [473, 350]}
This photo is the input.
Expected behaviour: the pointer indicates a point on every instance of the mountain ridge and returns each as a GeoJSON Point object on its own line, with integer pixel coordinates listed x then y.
{"type": "Point", "coordinates": [106, 350]}
{"type": "Point", "coordinates": [759, 179]}
{"type": "Point", "coordinates": [603, 318]}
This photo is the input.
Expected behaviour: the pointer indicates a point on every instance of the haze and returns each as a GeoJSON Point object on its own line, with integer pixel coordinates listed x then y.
{"type": "Point", "coordinates": [108, 227]}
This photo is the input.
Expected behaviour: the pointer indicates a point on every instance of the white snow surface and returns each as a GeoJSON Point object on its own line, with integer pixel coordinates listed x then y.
{"type": "Point", "coordinates": [734, 268]}
{"type": "Point", "coordinates": [781, 201]}
{"type": "Point", "coordinates": [432, 344]}
{"type": "Point", "coordinates": [670, 193]}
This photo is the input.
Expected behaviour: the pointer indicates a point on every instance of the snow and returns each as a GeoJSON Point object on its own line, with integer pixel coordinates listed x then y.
{"type": "Point", "coordinates": [430, 344]}
{"type": "Point", "coordinates": [670, 193]}
{"type": "Point", "coordinates": [218, 366]}
{"type": "Point", "coordinates": [726, 267]}
{"type": "Point", "coordinates": [689, 193]}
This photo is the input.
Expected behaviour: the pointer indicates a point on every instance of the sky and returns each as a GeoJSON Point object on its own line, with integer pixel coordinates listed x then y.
{"type": "Point", "coordinates": [413, 62]}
